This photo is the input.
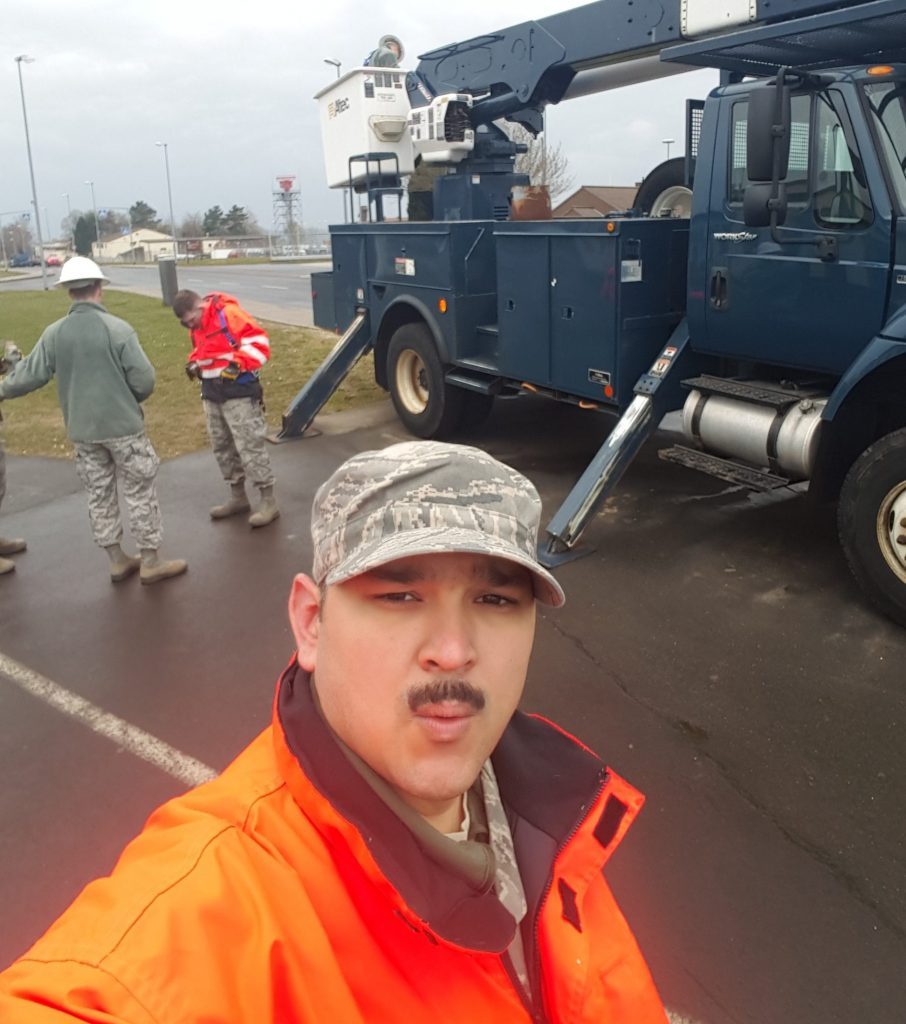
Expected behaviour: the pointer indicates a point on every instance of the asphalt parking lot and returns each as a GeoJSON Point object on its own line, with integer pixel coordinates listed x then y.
{"type": "Point", "coordinates": [713, 650]}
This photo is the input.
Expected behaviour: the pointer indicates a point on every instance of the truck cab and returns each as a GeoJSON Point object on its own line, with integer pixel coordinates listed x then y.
{"type": "Point", "coordinates": [758, 297]}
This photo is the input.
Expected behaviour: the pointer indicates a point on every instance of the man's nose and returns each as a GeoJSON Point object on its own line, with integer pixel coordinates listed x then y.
{"type": "Point", "coordinates": [448, 645]}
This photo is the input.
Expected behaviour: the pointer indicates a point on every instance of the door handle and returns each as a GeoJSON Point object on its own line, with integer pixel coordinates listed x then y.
{"type": "Point", "coordinates": [718, 297]}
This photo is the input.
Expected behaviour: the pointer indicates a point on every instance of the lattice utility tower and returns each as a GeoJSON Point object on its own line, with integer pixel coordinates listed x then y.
{"type": "Point", "coordinates": [288, 211]}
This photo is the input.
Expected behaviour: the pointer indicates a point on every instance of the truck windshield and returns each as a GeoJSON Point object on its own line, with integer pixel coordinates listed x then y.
{"type": "Point", "coordinates": [888, 104]}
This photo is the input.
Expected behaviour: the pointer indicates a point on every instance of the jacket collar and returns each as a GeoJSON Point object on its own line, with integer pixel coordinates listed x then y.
{"type": "Point", "coordinates": [547, 780]}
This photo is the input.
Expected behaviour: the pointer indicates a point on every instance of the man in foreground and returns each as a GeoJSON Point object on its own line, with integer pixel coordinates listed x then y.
{"type": "Point", "coordinates": [401, 844]}
{"type": "Point", "coordinates": [103, 376]}
{"type": "Point", "coordinates": [228, 350]}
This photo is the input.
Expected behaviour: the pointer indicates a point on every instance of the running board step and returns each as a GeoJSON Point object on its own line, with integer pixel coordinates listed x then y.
{"type": "Point", "coordinates": [739, 389]}
{"type": "Point", "coordinates": [725, 469]}
{"type": "Point", "coordinates": [481, 385]}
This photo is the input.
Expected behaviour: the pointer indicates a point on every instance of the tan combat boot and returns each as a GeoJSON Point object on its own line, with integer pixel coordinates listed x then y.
{"type": "Point", "coordinates": [237, 505]}
{"type": "Point", "coordinates": [11, 546]}
{"type": "Point", "coordinates": [122, 566]}
{"type": "Point", "coordinates": [267, 511]}
{"type": "Point", "coordinates": [154, 570]}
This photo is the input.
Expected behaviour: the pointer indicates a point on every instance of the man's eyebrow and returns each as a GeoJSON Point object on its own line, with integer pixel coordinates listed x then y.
{"type": "Point", "coordinates": [502, 574]}
{"type": "Point", "coordinates": [396, 574]}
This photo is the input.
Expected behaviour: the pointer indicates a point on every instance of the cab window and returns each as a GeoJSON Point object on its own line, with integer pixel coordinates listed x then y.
{"type": "Point", "coordinates": [826, 181]}
{"type": "Point", "coordinates": [797, 192]}
{"type": "Point", "coordinates": [841, 198]}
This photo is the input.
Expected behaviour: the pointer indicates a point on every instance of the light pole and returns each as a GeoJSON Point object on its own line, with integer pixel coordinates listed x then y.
{"type": "Point", "coordinates": [97, 223]}
{"type": "Point", "coordinates": [334, 63]}
{"type": "Point", "coordinates": [668, 143]}
{"type": "Point", "coordinates": [71, 225]}
{"type": "Point", "coordinates": [31, 169]}
{"type": "Point", "coordinates": [163, 145]}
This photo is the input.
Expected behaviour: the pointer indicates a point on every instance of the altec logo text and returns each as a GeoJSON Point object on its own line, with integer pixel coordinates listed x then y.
{"type": "Point", "coordinates": [337, 107]}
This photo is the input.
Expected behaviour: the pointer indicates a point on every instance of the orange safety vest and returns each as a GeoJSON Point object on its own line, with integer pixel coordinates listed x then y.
{"type": "Point", "coordinates": [285, 891]}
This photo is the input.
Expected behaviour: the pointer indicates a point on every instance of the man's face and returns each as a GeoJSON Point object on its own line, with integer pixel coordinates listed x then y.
{"type": "Point", "coordinates": [394, 48]}
{"type": "Point", "coordinates": [419, 665]}
{"type": "Point", "coordinates": [192, 319]}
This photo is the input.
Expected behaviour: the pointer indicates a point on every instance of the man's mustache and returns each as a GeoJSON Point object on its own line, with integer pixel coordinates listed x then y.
{"type": "Point", "coordinates": [445, 689]}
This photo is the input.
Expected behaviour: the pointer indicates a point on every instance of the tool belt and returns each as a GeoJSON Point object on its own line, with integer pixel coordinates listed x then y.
{"type": "Point", "coordinates": [218, 390]}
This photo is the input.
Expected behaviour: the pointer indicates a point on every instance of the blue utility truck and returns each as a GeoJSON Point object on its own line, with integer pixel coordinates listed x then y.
{"type": "Point", "coordinates": [759, 284]}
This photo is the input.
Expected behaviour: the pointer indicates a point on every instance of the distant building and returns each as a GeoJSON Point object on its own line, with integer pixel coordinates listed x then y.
{"type": "Point", "coordinates": [143, 245]}
{"type": "Point", "coordinates": [596, 201]}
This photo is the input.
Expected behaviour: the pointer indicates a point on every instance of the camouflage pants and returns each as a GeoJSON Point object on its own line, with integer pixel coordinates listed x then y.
{"type": "Point", "coordinates": [237, 431]}
{"type": "Point", "coordinates": [130, 462]}
{"type": "Point", "coordinates": [2, 470]}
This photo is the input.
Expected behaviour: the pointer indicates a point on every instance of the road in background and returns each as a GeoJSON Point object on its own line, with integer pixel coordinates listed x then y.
{"type": "Point", "coordinates": [274, 291]}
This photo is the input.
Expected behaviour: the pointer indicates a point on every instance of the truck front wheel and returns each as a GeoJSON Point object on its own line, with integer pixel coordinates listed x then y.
{"type": "Point", "coordinates": [871, 519]}
{"type": "Point", "coordinates": [427, 406]}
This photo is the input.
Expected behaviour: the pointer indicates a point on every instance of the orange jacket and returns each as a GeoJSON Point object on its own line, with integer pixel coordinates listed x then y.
{"type": "Point", "coordinates": [260, 898]}
{"type": "Point", "coordinates": [227, 334]}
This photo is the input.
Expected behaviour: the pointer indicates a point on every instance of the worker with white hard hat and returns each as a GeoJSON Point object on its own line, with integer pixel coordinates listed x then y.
{"type": "Point", "coordinates": [103, 376]}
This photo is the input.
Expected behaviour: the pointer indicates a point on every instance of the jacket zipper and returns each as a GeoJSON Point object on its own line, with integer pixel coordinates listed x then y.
{"type": "Point", "coordinates": [538, 1014]}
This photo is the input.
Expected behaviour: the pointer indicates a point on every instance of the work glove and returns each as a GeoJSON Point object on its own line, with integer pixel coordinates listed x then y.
{"type": "Point", "coordinates": [231, 372]}
{"type": "Point", "coordinates": [11, 355]}
{"type": "Point", "coordinates": [193, 370]}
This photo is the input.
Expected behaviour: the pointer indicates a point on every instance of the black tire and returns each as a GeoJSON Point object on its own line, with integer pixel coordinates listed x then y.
{"type": "Point", "coordinates": [871, 516]}
{"type": "Point", "coordinates": [666, 178]}
{"type": "Point", "coordinates": [427, 406]}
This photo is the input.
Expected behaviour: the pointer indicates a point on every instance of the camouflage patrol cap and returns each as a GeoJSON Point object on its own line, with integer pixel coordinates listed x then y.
{"type": "Point", "coordinates": [425, 497]}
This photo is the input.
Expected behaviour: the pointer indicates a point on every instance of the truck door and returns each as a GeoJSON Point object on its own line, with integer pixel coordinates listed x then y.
{"type": "Point", "coordinates": [797, 303]}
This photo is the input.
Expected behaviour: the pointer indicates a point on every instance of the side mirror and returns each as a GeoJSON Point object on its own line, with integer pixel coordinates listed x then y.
{"type": "Point", "coordinates": [757, 204]}
{"type": "Point", "coordinates": [768, 133]}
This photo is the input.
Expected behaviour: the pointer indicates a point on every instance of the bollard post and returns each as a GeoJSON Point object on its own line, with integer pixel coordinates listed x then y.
{"type": "Point", "coordinates": [168, 283]}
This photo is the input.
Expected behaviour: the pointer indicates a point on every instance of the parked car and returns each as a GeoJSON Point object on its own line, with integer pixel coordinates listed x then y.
{"type": "Point", "coordinates": [53, 261]}
{"type": "Point", "coordinates": [22, 259]}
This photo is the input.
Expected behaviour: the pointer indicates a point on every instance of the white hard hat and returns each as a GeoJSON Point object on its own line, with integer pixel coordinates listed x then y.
{"type": "Point", "coordinates": [80, 271]}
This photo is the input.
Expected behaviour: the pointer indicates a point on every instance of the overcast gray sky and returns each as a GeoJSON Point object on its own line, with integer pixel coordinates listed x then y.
{"type": "Point", "coordinates": [229, 86]}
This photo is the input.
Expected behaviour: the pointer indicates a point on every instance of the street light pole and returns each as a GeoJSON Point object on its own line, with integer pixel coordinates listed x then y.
{"type": "Point", "coordinates": [31, 169]}
{"type": "Point", "coordinates": [97, 223]}
{"type": "Point", "coordinates": [668, 143]}
{"type": "Point", "coordinates": [169, 196]}
{"type": "Point", "coordinates": [71, 225]}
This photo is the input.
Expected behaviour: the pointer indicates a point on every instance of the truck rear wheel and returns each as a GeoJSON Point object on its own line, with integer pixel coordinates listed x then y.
{"type": "Point", "coordinates": [871, 520]}
{"type": "Point", "coordinates": [664, 193]}
{"type": "Point", "coordinates": [427, 406]}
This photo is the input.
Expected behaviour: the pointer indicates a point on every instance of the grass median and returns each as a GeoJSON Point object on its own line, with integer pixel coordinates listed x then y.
{"type": "Point", "coordinates": [173, 414]}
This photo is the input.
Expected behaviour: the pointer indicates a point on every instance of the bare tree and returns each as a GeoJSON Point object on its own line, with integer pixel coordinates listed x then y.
{"type": "Point", "coordinates": [543, 163]}
{"type": "Point", "coordinates": [192, 226]}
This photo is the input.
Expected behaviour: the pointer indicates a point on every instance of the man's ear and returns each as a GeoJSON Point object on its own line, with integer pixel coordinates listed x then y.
{"type": "Point", "coordinates": [305, 619]}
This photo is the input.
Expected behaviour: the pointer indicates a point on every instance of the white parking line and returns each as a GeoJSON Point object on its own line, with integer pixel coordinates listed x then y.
{"type": "Point", "coordinates": [125, 735]}
{"type": "Point", "coordinates": [276, 287]}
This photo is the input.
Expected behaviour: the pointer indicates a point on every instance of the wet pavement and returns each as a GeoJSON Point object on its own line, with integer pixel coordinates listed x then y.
{"type": "Point", "coordinates": [712, 649]}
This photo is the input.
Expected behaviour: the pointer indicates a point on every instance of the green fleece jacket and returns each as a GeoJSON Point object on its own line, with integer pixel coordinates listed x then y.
{"type": "Point", "coordinates": [101, 369]}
